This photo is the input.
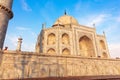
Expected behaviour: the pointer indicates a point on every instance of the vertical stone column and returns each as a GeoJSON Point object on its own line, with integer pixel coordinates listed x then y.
{"type": "Point", "coordinates": [19, 44]}
{"type": "Point", "coordinates": [5, 15]}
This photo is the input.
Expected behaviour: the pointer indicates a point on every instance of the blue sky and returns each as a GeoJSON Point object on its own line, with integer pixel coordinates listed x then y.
{"type": "Point", "coordinates": [30, 14]}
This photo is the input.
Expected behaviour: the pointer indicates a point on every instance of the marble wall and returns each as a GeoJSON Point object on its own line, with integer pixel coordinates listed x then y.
{"type": "Point", "coordinates": [28, 64]}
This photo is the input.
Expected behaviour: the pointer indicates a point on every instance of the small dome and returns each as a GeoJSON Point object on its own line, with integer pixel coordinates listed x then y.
{"type": "Point", "coordinates": [66, 19]}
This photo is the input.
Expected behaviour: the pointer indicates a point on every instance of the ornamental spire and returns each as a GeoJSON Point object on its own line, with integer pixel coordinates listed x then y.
{"type": "Point", "coordinates": [65, 12]}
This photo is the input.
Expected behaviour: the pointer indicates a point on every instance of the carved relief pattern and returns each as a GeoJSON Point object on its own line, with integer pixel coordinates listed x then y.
{"type": "Point", "coordinates": [35, 66]}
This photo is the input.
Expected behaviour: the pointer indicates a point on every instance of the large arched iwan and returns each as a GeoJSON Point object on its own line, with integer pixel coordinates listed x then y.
{"type": "Point", "coordinates": [86, 47]}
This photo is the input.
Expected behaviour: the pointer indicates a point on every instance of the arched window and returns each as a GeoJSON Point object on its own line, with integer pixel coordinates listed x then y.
{"type": "Point", "coordinates": [51, 51]}
{"type": "Point", "coordinates": [66, 51]}
{"type": "Point", "coordinates": [102, 44]}
{"type": "Point", "coordinates": [104, 55]}
{"type": "Point", "coordinates": [65, 39]}
{"type": "Point", "coordinates": [86, 47]}
{"type": "Point", "coordinates": [51, 39]}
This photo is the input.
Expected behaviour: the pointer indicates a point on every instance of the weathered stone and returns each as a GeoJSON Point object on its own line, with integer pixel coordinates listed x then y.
{"type": "Point", "coordinates": [5, 15]}
{"type": "Point", "coordinates": [54, 66]}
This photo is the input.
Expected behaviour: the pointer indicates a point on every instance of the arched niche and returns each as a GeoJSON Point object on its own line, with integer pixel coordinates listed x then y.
{"type": "Point", "coordinates": [51, 39]}
{"type": "Point", "coordinates": [86, 47]}
{"type": "Point", "coordinates": [104, 55]}
{"type": "Point", "coordinates": [51, 51]}
{"type": "Point", "coordinates": [65, 51]}
{"type": "Point", "coordinates": [65, 39]}
{"type": "Point", "coordinates": [102, 45]}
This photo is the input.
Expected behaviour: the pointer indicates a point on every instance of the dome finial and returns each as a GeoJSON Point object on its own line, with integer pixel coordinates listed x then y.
{"type": "Point", "coordinates": [65, 12]}
{"type": "Point", "coordinates": [94, 25]}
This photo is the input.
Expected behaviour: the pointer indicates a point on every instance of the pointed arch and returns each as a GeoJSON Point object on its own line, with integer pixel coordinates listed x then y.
{"type": "Point", "coordinates": [65, 51]}
{"type": "Point", "coordinates": [104, 55]}
{"type": "Point", "coordinates": [86, 47]}
{"type": "Point", "coordinates": [102, 45]}
{"type": "Point", "coordinates": [51, 51]}
{"type": "Point", "coordinates": [65, 39]}
{"type": "Point", "coordinates": [51, 39]}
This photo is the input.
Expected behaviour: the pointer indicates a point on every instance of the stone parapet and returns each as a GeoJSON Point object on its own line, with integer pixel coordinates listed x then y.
{"type": "Point", "coordinates": [31, 65]}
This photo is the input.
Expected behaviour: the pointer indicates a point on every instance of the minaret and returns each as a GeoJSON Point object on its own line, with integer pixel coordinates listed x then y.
{"type": "Point", "coordinates": [5, 15]}
{"type": "Point", "coordinates": [19, 44]}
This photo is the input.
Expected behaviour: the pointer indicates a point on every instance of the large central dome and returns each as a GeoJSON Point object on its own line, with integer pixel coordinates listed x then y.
{"type": "Point", "coordinates": [66, 19]}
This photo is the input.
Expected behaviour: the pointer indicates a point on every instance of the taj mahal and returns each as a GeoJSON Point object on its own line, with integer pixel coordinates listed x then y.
{"type": "Point", "coordinates": [68, 37]}
{"type": "Point", "coordinates": [65, 49]}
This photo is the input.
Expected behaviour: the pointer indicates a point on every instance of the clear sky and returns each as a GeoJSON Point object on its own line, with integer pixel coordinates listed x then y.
{"type": "Point", "coordinates": [30, 14]}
